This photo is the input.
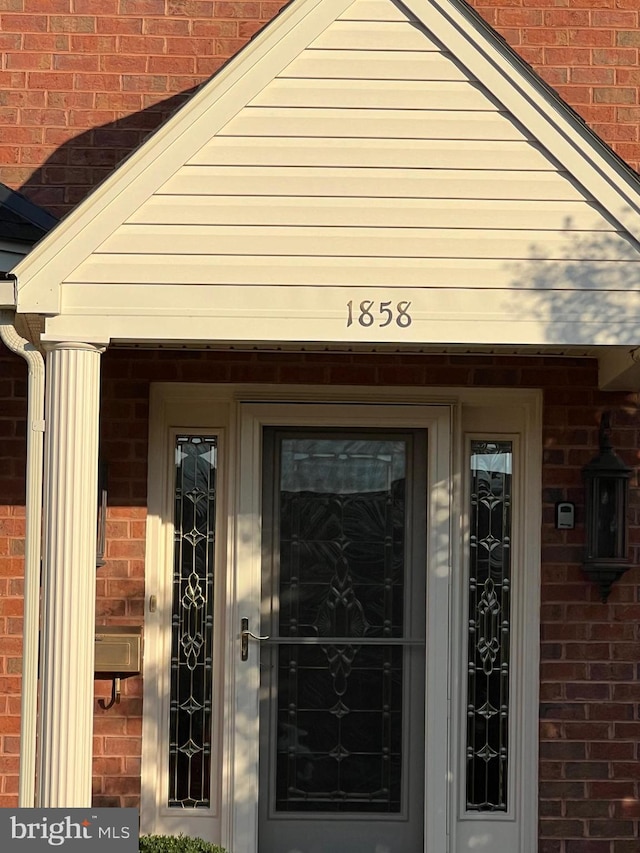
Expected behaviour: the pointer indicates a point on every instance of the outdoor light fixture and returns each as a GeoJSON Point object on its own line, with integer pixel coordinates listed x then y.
{"type": "Point", "coordinates": [606, 481]}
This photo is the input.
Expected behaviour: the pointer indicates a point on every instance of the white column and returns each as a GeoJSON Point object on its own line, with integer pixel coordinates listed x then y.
{"type": "Point", "coordinates": [69, 575]}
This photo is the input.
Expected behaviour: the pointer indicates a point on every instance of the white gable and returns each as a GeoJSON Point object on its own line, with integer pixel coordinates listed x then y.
{"type": "Point", "coordinates": [355, 153]}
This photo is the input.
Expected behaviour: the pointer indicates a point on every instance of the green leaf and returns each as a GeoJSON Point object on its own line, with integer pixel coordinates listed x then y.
{"type": "Point", "coordinates": [176, 844]}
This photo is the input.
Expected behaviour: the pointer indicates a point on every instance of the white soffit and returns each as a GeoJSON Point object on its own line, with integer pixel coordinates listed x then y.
{"type": "Point", "coordinates": [71, 260]}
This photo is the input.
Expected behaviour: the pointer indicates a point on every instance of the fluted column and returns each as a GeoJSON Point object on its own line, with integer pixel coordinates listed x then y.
{"type": "Point", "coordinates": [69, 575]}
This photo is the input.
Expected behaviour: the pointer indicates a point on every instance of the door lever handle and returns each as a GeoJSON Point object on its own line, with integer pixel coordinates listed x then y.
{"type": "Point", "coordinates": [245, 633]}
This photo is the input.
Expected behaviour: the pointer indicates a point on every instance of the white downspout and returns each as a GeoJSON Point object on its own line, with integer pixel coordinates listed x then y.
{"type": "Point", "coordinates": [33, 512]}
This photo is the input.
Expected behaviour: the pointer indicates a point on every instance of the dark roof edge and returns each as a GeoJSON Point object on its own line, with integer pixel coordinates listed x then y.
{"type": "Point", "coordinates": [32, 213]}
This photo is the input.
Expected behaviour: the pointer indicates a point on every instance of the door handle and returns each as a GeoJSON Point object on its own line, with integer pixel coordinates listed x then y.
{"type": "Point", "coordinates": [245, 633]}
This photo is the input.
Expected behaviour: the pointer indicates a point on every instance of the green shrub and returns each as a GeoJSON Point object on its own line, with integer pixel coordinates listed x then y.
{"type": "Point", "coordinates": [176, 844]}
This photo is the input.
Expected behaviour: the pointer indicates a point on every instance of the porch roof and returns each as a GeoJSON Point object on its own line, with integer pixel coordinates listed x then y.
{"type": "Point", "coordinates": [22, 224]}
{"type": "Point", "coordinates": [364, 173]}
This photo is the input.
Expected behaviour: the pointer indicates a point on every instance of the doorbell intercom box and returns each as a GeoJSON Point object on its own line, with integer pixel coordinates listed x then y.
{"type": "Point", "coordinates": [565, 515]}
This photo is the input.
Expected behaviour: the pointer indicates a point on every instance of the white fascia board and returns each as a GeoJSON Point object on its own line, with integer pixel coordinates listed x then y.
{"type": "Point", "coordinates": [429, 327]}
{"type": "Point", "coordinates": [7, 294]}
{"type": "Point", "coordinates": [41, 273]}
{"type": "Point", "coordinates": [546, 117]}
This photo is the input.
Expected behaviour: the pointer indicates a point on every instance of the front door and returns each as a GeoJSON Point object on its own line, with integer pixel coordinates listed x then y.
{"type": "Point", "coordinates": [344, 530]}
{"type": "Point", "coordinates": [342, 689]}
{"type": "Point", "coordinates": [342, 553]}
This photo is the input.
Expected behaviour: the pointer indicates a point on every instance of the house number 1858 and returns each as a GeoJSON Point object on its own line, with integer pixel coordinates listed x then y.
{"type": "Point", "coordinates": [380, 313]}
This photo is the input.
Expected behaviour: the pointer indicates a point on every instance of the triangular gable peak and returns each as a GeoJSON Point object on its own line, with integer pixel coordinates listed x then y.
{"type": "Point", "coordinates": [354, 153]}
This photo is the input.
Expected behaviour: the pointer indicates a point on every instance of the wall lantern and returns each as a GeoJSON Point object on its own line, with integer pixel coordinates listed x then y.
{"type": "Point", "coordinates": [606, 481]}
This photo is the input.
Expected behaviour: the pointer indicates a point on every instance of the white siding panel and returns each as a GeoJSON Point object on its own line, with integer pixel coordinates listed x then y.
{"type": "Point", "coordinates": [374, 65]}
{"type": "Point", "coordinates": [374, 35]}
{"type": "Point", "coordinates": [373, 167]}
{"type": "Point", "coordinates": [380, 153]}
{"type": "Point", "coordinates": [376, 94]}
{"type": "Point", "coordinates": [373, 183]}
{"type": "Point", "coordinates": [373, 10]}
{"type": "Point", "coordinates": [372, 124]}
{"type": "Point", "coordinates": [391, 273]}
{"type": "Point", "coordinates": [221, 240]}
{"type": "Point", "coordinates": [391, 213]}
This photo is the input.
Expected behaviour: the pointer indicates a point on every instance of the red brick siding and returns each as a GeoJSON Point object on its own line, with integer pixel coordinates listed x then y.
{"type": "Point", "coordinates": [588, 51]}
{"type": "Point", "coordinates": [83, 82]}
{"type": "Point", "coordinates": [590, 694]}
{"type": "Point", "coordinates": [590, 651]}
{"type": "Point", "coordinates": [590, 690]}
{"type": "Point", "coordinates": [13, 384]}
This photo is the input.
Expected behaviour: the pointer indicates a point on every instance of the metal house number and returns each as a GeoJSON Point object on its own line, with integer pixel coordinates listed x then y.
{"type": "Point", "coordinates": [370, 312]}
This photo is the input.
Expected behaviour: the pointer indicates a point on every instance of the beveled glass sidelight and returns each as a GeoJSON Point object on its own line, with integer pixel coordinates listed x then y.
{"type": "Point", "coordinates": [341, 631]}
{"type": "Point", "coordinates": [487, 749]}
{"type": "Point", "coordinates": [192, 623]}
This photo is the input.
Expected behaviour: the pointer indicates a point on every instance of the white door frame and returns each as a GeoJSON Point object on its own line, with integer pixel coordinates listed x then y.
{"type": "Point", "coordinates": [237, 413]}
{"type": "Point", "coordinates": [436, 421]}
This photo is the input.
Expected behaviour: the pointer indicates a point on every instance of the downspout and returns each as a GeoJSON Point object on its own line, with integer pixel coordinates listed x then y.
{"type": "Point", "coordinates": [33, 513]}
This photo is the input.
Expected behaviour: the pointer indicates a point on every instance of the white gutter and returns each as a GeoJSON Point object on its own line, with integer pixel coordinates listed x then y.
{"type": "Point", "coordinates": [33, 511]}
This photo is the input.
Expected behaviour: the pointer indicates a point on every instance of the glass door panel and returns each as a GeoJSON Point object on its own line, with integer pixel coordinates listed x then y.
{"type": "Point", "coordinates": [342, 675]}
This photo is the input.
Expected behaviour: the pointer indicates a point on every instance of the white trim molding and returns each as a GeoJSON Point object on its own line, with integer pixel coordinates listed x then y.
{"type": "Point", "coordinates": [514, 829]}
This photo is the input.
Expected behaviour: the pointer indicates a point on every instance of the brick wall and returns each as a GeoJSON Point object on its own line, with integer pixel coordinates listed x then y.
{"type": "Point", "coordinates": [590, 685]}
{"type": "Point", "coordinates": [83, 82]}
{"type": "Point", "coordinates": [588, 50]}
{"type": "Point", "coordinates": [13, 392]}
{"type": "Point", "coordinates": [590, 691]}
